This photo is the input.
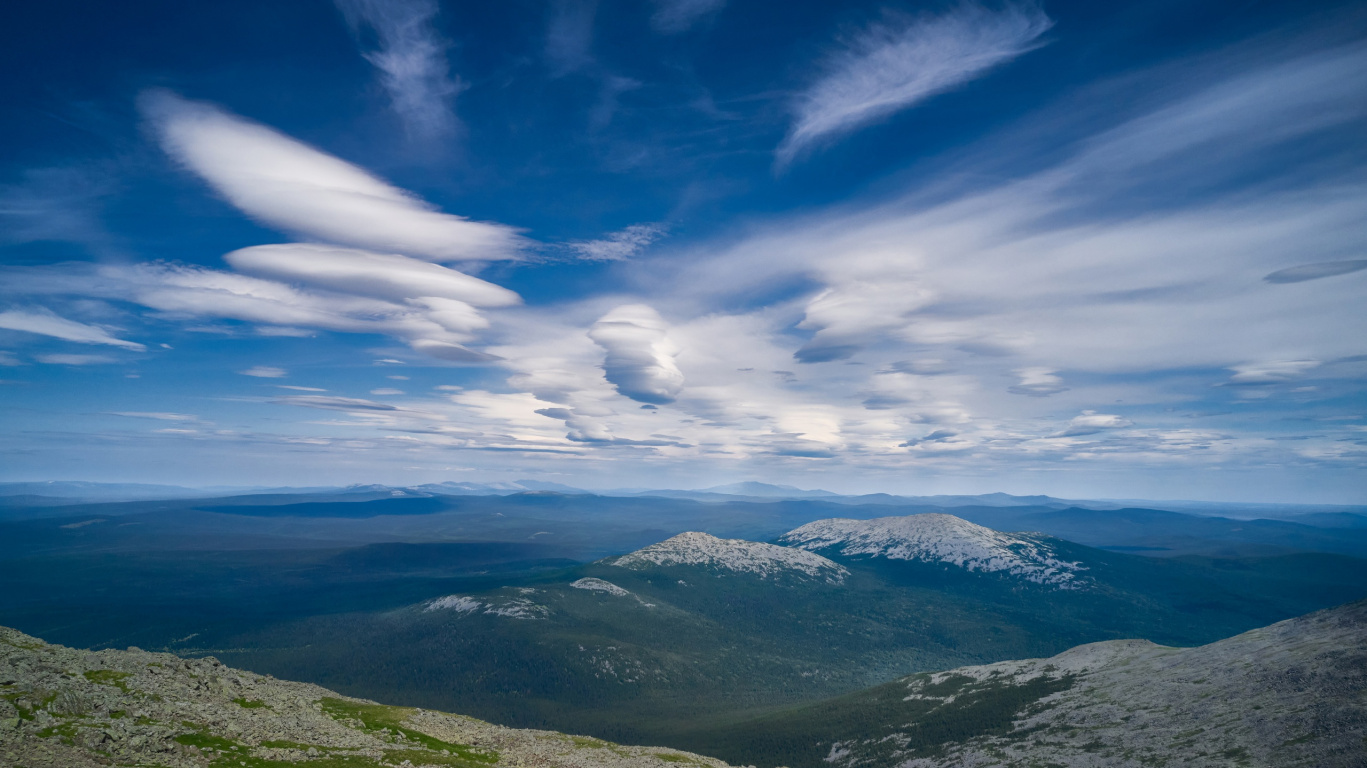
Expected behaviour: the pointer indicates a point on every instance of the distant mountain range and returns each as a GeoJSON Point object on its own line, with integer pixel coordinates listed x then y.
{"type": "Point", "coordinates": [60, 492]}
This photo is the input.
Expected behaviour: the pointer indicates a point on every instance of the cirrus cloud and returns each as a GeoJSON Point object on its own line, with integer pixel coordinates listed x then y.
{"type": "Point", "coordinates": [46, 323]}
{"type": "Point", "coordinates": [411, 58]}
{"type": "Point", "coordinates": [895, 65]}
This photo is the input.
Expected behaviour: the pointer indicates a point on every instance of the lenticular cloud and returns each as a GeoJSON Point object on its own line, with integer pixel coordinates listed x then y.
{"type": "Point", "coordinates": [289, 185]}
{"type": "Point", "coordinates": [379, 275]}
{"type": "Point", "coordinates": [640, 356]}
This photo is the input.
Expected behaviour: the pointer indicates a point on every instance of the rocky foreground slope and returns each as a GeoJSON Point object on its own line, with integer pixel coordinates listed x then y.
{"type": "Point", "coordinates": [1290, 694]}
{"type": "Point", "coordinates": [67, 708]}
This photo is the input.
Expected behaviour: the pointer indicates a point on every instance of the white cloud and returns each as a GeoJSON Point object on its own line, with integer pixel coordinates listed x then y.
{"type": "Point", "coordinates": [362, 273]}
{"type": "Point", "coordinates": [1091, 422]}
{"type": "Point", "coordinates": [1271, 372]}
{"type": "Point", "coordinates": [674, 16]}
{"type": "Point", "coordinates": [386, 391]}
{"type": "Point", "coordinates": [287, 184]}
{"type": "Point", "coordinates": [44, 323]}
{"type": "Point", "coordinates": [433, 325]}
{"type": "Point", "coordinates": [1021, 271]}
{"type": "Point", "coordinates": [1037, 381]}
{"type": "Point", "coordinates": [327, 403]}
{"type": "Point", "coordinates": [640, 356]}
{"type": "Point", "coordinates": [894, 65]}
{"type": "Point", "coordinates": [300, 389]}
{"type": "Point", "coordinates": [9, 360]}
{"type": "Point", "coordinates": [620, 245]}
{"type": "Point", "coordinates": [1323, 269]}
{"type": "Point", "coordinates": [265, 372]}
{"type": "Point", "coordinates": [851, 309]}
{"type": "Point", "coordinates": [285, 331]}
{"type": "Point", "coordinates": [411, 58]}
{"type": "Point", "coordinates": [158, 415]}
{"type": "Point", "coordinates": [65, 359]}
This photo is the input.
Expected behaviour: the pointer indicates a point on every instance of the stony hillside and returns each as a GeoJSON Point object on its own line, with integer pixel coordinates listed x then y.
{"type": "Point", "coordinates": [935, 537]}
{"type": "Point", "coordinates": [66, 708]}
{"type": "Point", "coordinates": [763, 560]}
{"type": "Point", "coordinates": [1288, 695]}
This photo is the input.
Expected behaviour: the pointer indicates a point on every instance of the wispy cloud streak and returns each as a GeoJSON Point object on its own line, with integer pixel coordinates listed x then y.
{"type": "Point", "coordinates": [569, 36]}
{"type": "Point", "coordinates": [411, 58]}
{"type": "Point", "coordinates": [674, 16]}
{"type": "Point", "coordinates": [619, 245]}
{"type": "Point", "coordinates": [895, 65]}
{"type": "Point", "coordinates": [44, 323]}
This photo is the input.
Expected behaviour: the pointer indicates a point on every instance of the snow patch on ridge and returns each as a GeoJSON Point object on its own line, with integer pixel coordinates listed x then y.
{"type": "Point", "coordinates": [598, 585]}
{"type": "Point", "coordinates": [764, 560]}
{"type": "Point", "coordinates": [941, 538]}
{"type": "Point", "coordinates": [516, 608]}
{"type": "Point", "coordinates": [457, 603]}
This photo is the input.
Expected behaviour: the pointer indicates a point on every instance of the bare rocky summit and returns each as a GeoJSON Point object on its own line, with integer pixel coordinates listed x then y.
{"type": "Point", "coordinates": [67, 708]}
{"type": "Point", "coordinates": [738, 555]}
{"type": "Point", "coordinates": [941, 538]}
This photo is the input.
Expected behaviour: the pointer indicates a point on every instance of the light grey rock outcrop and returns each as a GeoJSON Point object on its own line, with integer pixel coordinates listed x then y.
{"type": "Point", "coordinates": [1287, 695]}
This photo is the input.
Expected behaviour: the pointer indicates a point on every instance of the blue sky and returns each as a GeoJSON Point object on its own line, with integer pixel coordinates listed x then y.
{"type": "Point", "coordinates": [1112, 250]}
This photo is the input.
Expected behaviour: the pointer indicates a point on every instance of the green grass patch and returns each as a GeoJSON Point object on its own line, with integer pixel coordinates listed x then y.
{"type": "Point", "coordinates": [206, 740]}
{"type": "Point", "coordinates": [282, 744]}
{"type": "Point", "coordinates": [65, 731]}
{"type": "Point", "coordinates": [250, 704]}
{"type": "Point", "coordinates": [376, 718]}
{"type": "Point", "coordinates": [13, 697]}
{"type": "Point", "coordinates": [108, 677]}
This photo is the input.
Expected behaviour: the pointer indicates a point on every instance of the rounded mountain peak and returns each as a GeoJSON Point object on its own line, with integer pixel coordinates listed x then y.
{"type": "Point", "coordinates": [695, 548]}
{"type": "Point", "coordinates": [938, 537]}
